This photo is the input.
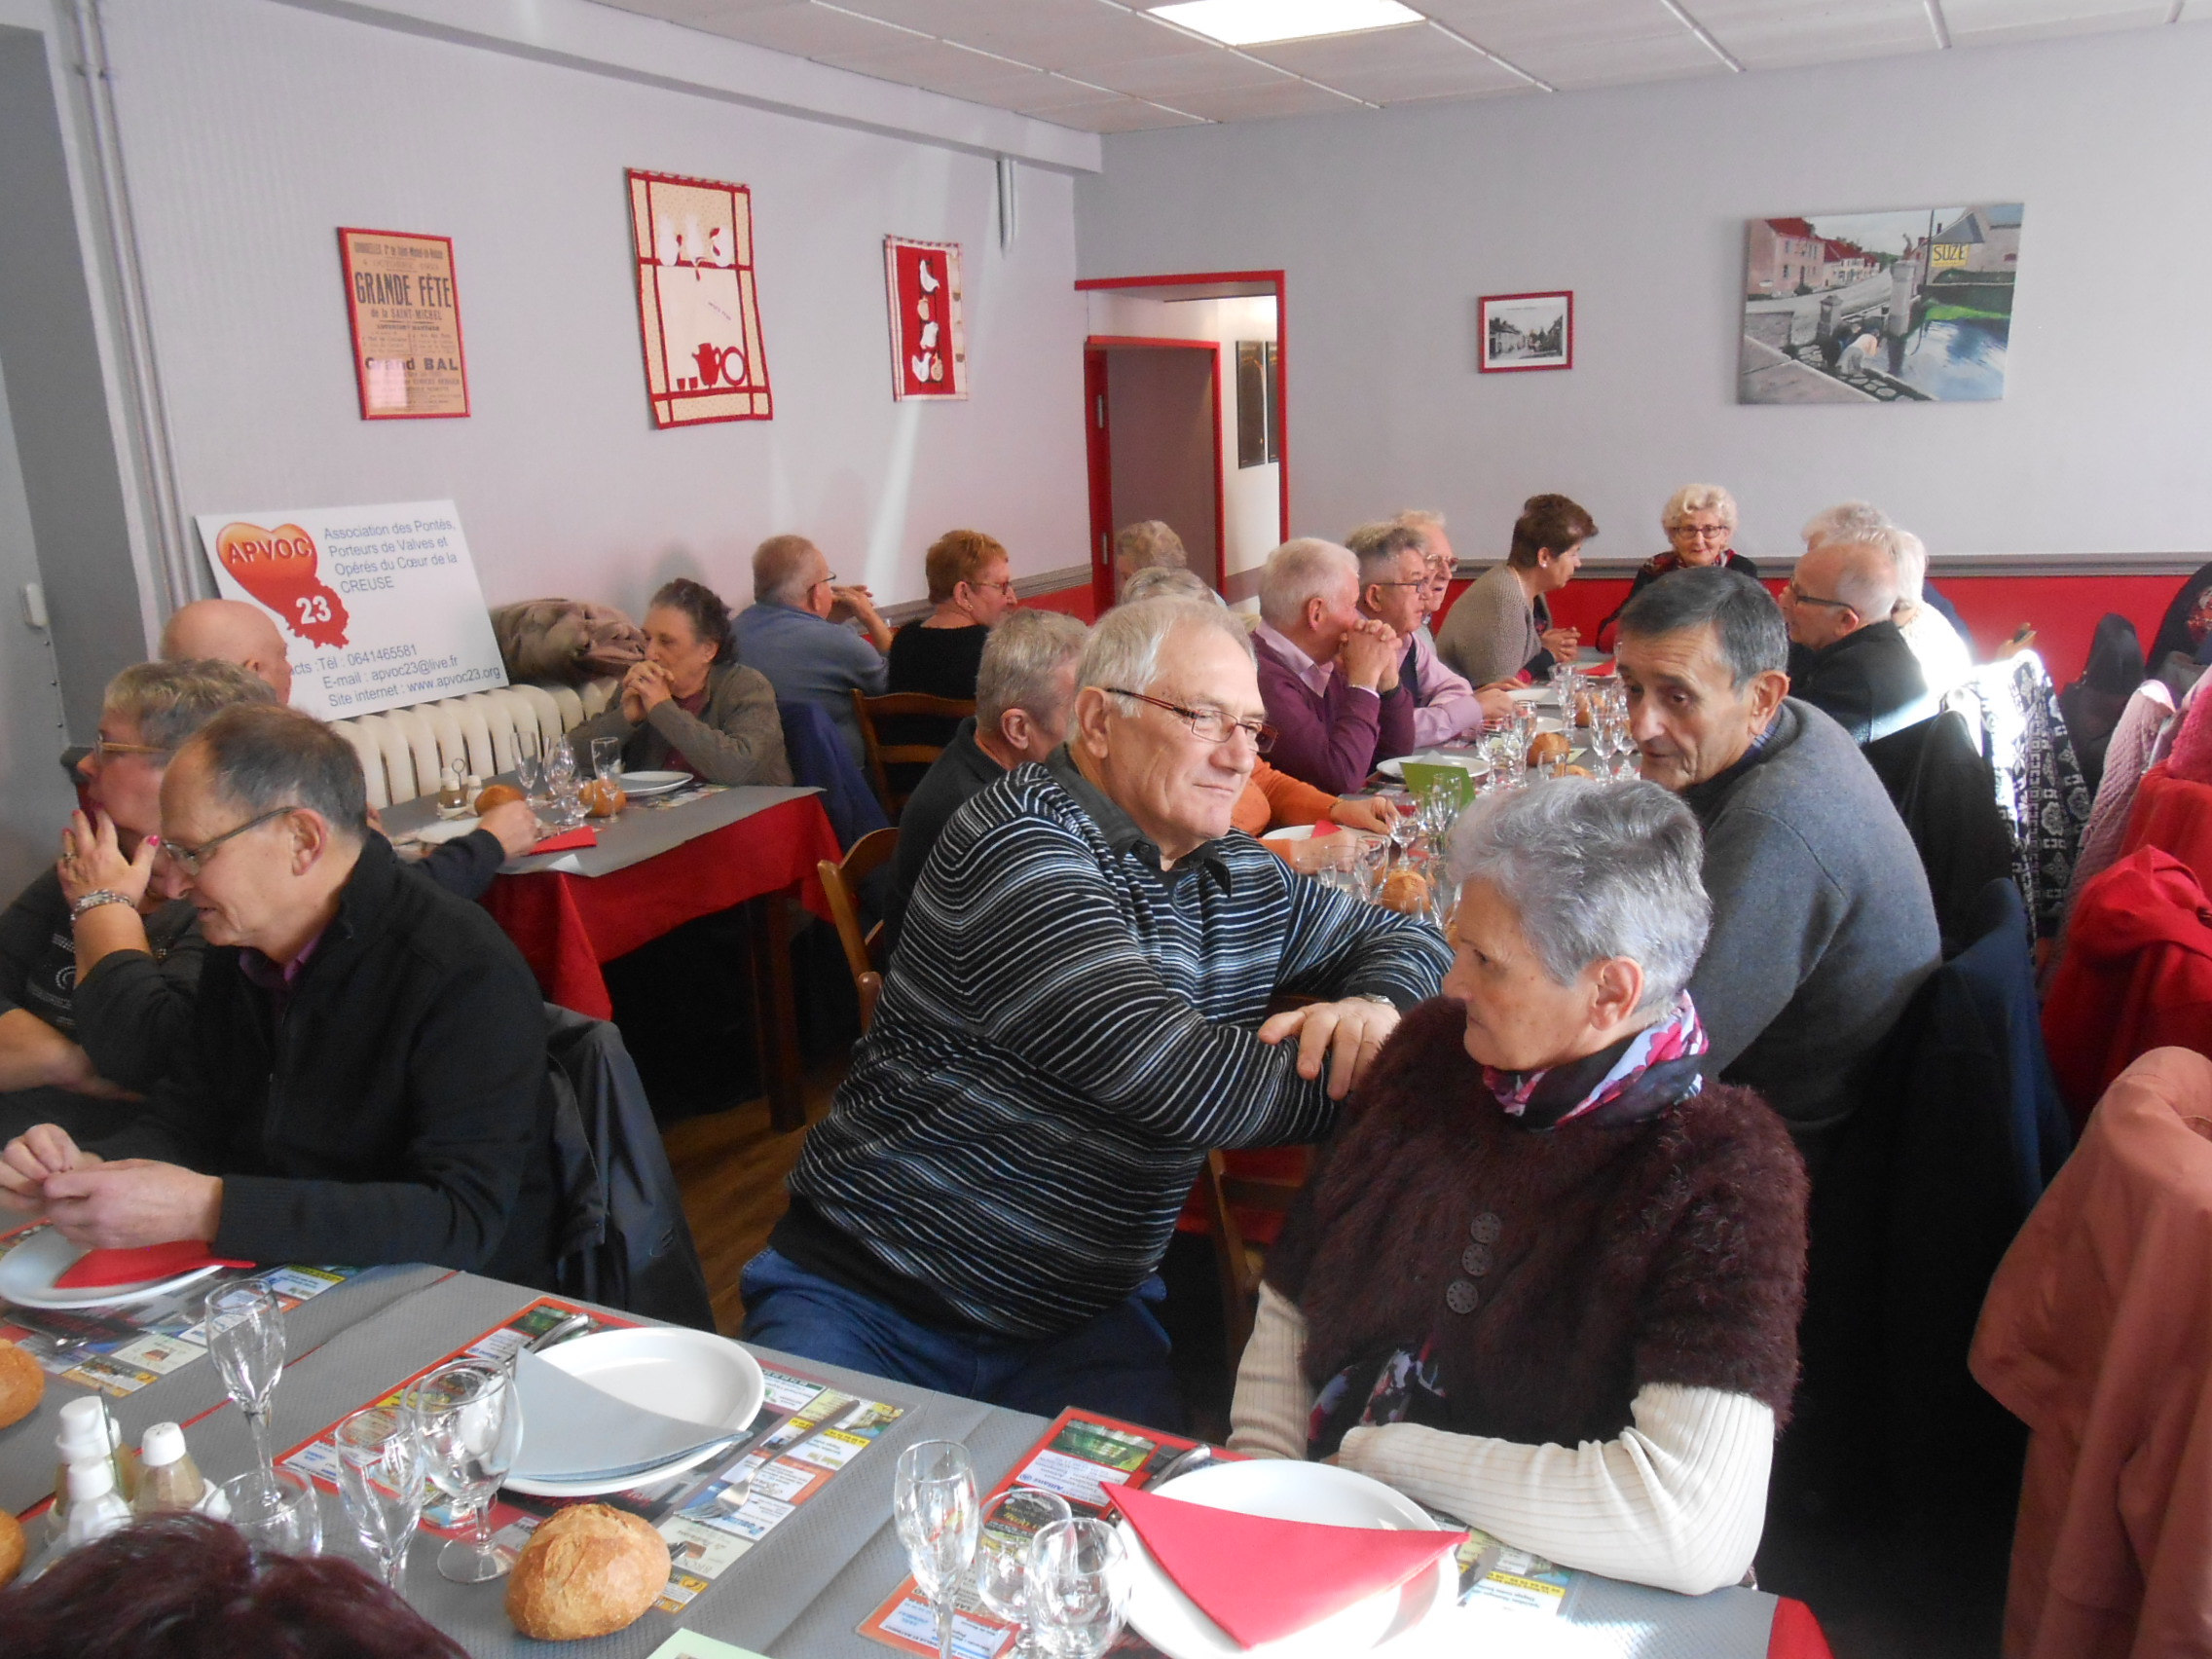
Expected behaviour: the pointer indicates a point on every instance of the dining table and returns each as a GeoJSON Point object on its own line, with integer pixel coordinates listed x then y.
{"type": "Point", "coordinates": [805, 1588]}
{"type": "Point", "coordinates": [656, 865]}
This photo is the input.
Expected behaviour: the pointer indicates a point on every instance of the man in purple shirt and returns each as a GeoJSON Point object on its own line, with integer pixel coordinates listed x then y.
{"type": "Point", "coordinates": [1393, 584]}
{"type": "Point", "coordinates": [1327, 675]}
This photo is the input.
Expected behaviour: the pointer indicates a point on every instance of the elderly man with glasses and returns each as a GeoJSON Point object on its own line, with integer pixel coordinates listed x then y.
{"type": "Point", "coordinates": [817, 639]}
{"type": "Point", "coordinates": [1074, 1016]}
{"type": "Point", "coordinates": [363, 1079]}
{"type": "Point", "coordinates": [1849, 660]}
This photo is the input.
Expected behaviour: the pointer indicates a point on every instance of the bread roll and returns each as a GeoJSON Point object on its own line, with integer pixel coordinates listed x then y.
{"type": "Point", "coordinates": [589, 1570]}
{"type": "Point", "coordinates": [1576, 772]}
{"type": "Point", "coordinates": [605, 797]}
{"type": "Point", "coordinates": [496, 794]}
{"type": "Point", "coordinates": [1405, 891]}
{"type": "Point", "coordinates": [23, 1385]}
{"type": "Point", "coordinates": [1549, 745]}
{"type": "Point", "coordinates": [12, 1547]}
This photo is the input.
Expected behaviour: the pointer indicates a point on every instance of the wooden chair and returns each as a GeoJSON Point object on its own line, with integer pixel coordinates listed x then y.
{"type": "Point", "coordinates": [883, 756]}
{"type": "Point", "coordinates": [1238, 1262]}
{"type": "Point", "coordinates": [841, 885]}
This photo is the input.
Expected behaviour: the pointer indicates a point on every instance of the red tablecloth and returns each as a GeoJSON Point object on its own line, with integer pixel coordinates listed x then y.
{"type": "Point", "coordinates": [567, 925]}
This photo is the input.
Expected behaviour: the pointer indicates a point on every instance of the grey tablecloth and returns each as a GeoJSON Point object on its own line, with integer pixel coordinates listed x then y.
{"type": "Point", "coordinates": [802, 1591]}
{"type": "Point", "coordinates": [27, 1450]}
{"type": "Point", "coordinates": [638, 833]}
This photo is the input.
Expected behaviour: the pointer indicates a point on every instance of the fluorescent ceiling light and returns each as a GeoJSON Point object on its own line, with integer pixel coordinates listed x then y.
{"type": "Point", "coordinates": [1253, 23]}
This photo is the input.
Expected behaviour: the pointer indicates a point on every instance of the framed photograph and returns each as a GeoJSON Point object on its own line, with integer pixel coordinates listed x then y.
{"type": "Point", "coordinates": [1911, 306]}
{"type": "Point", "coordinates": [1527, 331]}
{"type": "Point", "coordinates": [928, 330]}
{"type": "Point", "coordinates": [698, 314]}
{"type": "Point", "coordinates": [406, 322]}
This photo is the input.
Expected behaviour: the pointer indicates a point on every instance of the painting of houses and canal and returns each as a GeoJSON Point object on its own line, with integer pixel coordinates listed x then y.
{"type": "Point", "coordinates": [1910, 306]}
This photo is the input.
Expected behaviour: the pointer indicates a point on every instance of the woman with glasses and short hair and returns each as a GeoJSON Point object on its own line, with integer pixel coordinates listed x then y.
{"type": "Point", "coordinates": [1700, 522]}
{"type": "Point", "coordinates": [971, 587]}
{"type": "Point", "coordinates": [98, 957]}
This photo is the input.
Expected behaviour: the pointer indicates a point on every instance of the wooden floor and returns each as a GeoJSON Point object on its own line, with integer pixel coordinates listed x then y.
{"type": "Point", "coordinates": [731, 1166]}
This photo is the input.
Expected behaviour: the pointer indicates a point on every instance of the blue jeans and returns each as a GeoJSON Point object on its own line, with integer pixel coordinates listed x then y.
{"type": "Point", "coordinates": [1116, 1364]}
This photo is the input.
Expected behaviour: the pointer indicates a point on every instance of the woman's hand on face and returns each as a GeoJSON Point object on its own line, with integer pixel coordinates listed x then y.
{"type": "Point", "coordinates": [1346, 1036]}
{"type": "Point", "coordinates": [91, 859]}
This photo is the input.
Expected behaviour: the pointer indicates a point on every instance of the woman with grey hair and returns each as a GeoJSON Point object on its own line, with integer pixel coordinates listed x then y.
{"type": "Point", "coordinates": [1547, 1277]}
{"type": "Point", "coordinates": [73, 1042]}
{"type": "Point", "coordinates": [1700, 522]}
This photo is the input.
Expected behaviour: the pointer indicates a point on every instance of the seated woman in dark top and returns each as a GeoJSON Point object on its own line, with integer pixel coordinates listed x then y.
{"type": "Point", "coordinates": [98, 959]}
{"type": "Point", "coordinates": [691, 706]}
{"type": "Point", "coordinates": [971, 589]}
{"type": "Point", "coordinates": [1545, 1277]}
{"type": "Point", "coordinates": [1700, 522]}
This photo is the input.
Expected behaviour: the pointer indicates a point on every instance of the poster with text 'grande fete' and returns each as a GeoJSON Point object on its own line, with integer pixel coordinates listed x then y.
{"type": "Point", "coordinates": [379, 606]}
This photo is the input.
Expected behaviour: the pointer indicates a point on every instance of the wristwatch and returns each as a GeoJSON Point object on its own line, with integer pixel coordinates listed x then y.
{"type": "Point", "coordinates": [97, 897]}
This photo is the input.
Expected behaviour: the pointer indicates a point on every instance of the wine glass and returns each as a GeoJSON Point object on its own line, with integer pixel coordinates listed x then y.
{"type": "Point", "coordinates": [244, 1323]}
{"type": "Point", "coordinates": [1011, 1525]}
{"type": "Point", "coordinates": [530, 766]}
{"type": "Point", "coordinates": [380, 1477]}
{"type": "Point", "coordinates": [567, 809]}
{"type": "Point", "coordinates": [606, 757]}
{"type": "Point", "coordinates": [1077, 1587]}
{"type": "Point", "coordinates": [932, 1503]}
{"type": "Point", "coordinates": [469, 1422]}
{"type": "Point", "coordinates": [276, 1509]}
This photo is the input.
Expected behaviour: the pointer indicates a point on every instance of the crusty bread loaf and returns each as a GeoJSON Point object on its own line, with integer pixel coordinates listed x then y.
{"type": "Point", "coordinates": [1405, 891]}
{"type": "Point", "coordinates": [12, 1547]}
{"type": "Point", "coordinates": [496, 794]}
{"type": "Point", "coordinates": [605, 797]}
{"type": "Point", "coordinates": [589, 1570]}
{"type": "Point", "coordinates": [23, 1385]}
{"type": "Point", "coordinates": [1549, 745]}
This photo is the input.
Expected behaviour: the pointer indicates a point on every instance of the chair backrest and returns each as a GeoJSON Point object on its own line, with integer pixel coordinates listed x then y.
{"type": "Point", "coordinates": [819, 759]}
{"type": "Point", "coordinates": [881, 756]}
{"type": "Point", "coordinates": [1943, 792]}
{"type": "Point", "coordinates": [840, 885]}
{"type": "Point", "coordinates": [1232, 1193]}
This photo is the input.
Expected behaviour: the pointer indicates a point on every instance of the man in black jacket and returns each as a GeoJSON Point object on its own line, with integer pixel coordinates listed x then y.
{"type": "Point", "coordinates": [365, 1078]}
{"type": "Point", "coordinates": [1849, 660]}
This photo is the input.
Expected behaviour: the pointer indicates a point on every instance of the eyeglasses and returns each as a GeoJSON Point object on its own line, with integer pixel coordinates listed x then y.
{"type": "Point", "coordinates": [1004, 587]}
{"type": "Point", "coordinates": [1798, 596]}
{"type": "Point", "coordinates": [1209, 725]}
{"type": "Point", "coordinates": [1703, 531]}
{"type": "Point", "coordinates": [1419, 582]}
{"type": "Point", "coordinates": [192, 860]}
{"type": "Point", "coordinates": [104, 748]}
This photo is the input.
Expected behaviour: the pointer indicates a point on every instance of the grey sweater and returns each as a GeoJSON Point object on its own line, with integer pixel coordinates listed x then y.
{"type": "Point", "coordinates": [1821, 922]}
{"type": "Point", "coordinates": [1492, 631]}
{"type": "Point", "coordinates": [737, 738]}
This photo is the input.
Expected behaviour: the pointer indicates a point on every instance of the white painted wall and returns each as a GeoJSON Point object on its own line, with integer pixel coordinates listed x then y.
{"type": "Point", "coordinates": [1251, 495]}
{"type": "Point", "coordinates": [1390, 224]}
{"type": "Point", "coordinates": [252, 130]}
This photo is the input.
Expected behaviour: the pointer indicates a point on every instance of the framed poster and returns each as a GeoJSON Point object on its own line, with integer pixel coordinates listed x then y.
{"type": "Point", "coordinates": [929, 341]}
{"type": "Point", "coordinates": [379, 608]}
{"type": "Point", "coordinates": [406, 322]}
{"type": "Point", "coordinates": [1527, 331]}
{"type": "Point", "coordinates": [698, 314]}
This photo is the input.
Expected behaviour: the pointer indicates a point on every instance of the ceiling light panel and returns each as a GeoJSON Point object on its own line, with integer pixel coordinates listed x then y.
{"type": "Point", "coordinates": [1395, 66]}
{"type": "Point", "coordinates": [1249, 23]}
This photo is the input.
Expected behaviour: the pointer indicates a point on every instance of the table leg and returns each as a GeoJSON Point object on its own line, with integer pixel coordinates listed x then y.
{"type": "Point", "coordinates": [776, 1010]}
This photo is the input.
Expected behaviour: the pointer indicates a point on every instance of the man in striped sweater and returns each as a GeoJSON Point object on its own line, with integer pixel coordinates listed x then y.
{"type": "Point", "coordinates": [1075, 1015]}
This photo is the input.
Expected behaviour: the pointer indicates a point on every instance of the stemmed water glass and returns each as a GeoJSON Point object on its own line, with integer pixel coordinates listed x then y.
{"type": "Point", "coordinates": [932, 1503]}
{"type": "Point", "coordinates": [469, 1422]}
{"type": "Point", "coordinates": [245, 1325]}
{"type": "Point", "coordinates": [1077, 1587]}
{"type": "Point", "coordinates": [529, 766]}
{"type": "Point", "coordinates": [380, 1477]}
{"type": "Point", "coordinates": [1002, 1553]}
{"type": "Point", "coordinates": [606, 757]}
{"type": "Point", "coordinates": [568, 809]}
{"type": "Point", "coordinates": [276, 1509]}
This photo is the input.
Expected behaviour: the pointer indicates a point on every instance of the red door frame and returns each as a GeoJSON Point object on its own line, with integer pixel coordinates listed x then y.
{"type": "Point", "coordinates": [1100, 449]}
{"type": "Point", "coordinates": [1274, 278]}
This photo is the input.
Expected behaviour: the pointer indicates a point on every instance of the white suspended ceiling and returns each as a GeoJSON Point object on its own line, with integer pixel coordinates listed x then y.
{"type": "Point", "coordinates": [1102, 66]}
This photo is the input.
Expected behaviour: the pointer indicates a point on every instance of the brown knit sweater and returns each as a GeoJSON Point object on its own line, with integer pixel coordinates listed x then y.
{"type": "Point", "coordinates": [1671, 1250]}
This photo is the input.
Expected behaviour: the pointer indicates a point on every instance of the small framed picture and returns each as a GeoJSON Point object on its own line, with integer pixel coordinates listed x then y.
{"type": "Point", "coordinates": [1527, 331]}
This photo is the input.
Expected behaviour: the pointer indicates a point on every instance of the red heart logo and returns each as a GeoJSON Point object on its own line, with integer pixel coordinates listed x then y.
{"type": "Point", "coordinates": [277, 566]}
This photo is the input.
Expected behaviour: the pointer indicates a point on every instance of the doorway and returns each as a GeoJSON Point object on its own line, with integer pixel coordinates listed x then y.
{"type": "Point", "coordinates": [1183, 420]}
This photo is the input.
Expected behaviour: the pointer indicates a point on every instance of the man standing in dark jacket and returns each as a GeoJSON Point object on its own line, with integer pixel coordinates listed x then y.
{"type": "Point", "coordinates": [1851, 662]}
{"type": "Point", "coordinates": [365, 1079]}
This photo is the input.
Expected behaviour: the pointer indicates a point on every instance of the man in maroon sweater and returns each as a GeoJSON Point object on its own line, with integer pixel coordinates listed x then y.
{"type": "Point", "coordinates": [1327, 675]}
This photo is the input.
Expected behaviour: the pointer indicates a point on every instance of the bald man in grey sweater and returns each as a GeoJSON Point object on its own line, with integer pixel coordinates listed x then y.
{"type": "Point", "coordinates": [1823, 923]}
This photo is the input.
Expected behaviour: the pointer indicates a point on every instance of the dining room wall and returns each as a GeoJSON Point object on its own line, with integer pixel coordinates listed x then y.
{"type": "Point", "coordinates": [1390, 224]}
{"type": "Point", "coordinates": [250, 130]}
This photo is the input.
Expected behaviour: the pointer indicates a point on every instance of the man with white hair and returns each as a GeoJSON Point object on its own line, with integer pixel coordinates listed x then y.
{"type": "Point", "coordinates": [1851, 662]}
{"type": "Point", "coordinates": [1076, 1015]}
{"type": "Point", "coordinates": [1862, 520]}
{"type": "Point", "coordinates": [1395, 579]}
{"type": "Point", "coordinates": [230, 630]}
{"type": "Point", "coordinates": [1329, 675]}
{"type": "Point", "coordinates": [1945, 658]}
{"type": "Point", "coordinates": [794, 632]}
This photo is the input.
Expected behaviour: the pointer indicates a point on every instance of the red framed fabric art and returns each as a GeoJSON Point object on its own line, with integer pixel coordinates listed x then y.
{"type": "Point", "coordinates": [929, 341]}
{"type": "Point", "coordinates": [698, 314]}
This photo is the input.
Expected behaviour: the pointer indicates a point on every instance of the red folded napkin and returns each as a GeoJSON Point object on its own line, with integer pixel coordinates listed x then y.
{"type": "Point", "coordinates": [97, 1268]}
{"type": "Point", "coordinates": [586, 836]}
{"type": "Point", "coordinates": [1324, 826]}
{"type": "Point", "coordinates": [1262, 1579]}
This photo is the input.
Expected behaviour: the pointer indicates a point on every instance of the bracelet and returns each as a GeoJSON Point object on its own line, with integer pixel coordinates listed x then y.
{"type": "Point", "coordinates": [100, 896]}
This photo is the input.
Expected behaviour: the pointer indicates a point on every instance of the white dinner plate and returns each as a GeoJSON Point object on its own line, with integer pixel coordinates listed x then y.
{"type": "Point", "coordinates": [441, 831]}
{"type": "Point", "coordinates": [1546, 722]}
{"type": "Point", "coordinates": [1531, 694]}
{"type": "Point", "coordinates": [678, 1371]}
{"type": "Point", "coordinates": [1466, 762]}
{"type": "Point", "coordinates": [652, 783]}
{"type": "Point", "coordinates": [1286, 1490]}
{"type": "Point", "coordinates": [27, 1275]}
